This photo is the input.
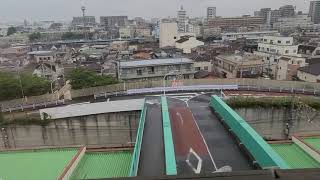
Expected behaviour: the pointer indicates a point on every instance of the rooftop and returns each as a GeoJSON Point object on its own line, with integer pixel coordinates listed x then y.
{"type": "Point", "coordinates": [41, 53]}
{"type": "Point", "coordinates": [313, 69]}
{"type": "Point", "coordinates": [34, 164]}
{"type": "Point", "coordinates": [155, 62]}
{"type": "Point", "coordinates": [243, 60]}
{"type": "Point", "coordinates": [103, 165]}
{"type": "Point", "coordinates": [294, 156]}
{"type": "Point", "coordinates": [85, 109]}
{"type": "Point", "coordinates": [313, 141]}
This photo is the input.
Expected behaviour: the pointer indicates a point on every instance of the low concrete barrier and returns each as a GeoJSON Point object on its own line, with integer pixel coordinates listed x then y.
{"type": "Point", "coordinates": [260, 150]}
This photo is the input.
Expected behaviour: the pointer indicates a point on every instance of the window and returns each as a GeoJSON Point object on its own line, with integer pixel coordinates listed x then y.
{"type": "Point", "coordinates": [288, 42]}
{"type": "Point", "coordinates": [275, 60]}
{"type": "Point", "coordinates": [287, 51]}
{"type": "Point", "coordinates": [268, 58]}
{"type": "Point", "coordinates": [279, 42]}
{"type": "Point", "coordinates": [265, 40]}
{"type": "Point", "coordinates": [174, 37]}
{"type": "Point", "coordinates": [268, 49]}
{"type": "Point", "coordinates": [150, 70]}
{"type": "Point", "coordinates": [294, 51]}
{"type": "Point", "coordinates": [197, 68]}
{"type": "Point", "coordinates": [271, 41]}
{"type": "Point", "coordinates": [139, 72]}
{"type": "Point", "coordinates": [206, 68]}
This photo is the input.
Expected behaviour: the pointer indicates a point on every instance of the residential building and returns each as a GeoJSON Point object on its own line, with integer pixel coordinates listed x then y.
{"type": "Point", "coordinates": [287, 67]}
{"type": "Point", "coordinates": [287, 11]}
{"type": "Point", "coordinates": [187, 43]}
{"type": "Point", "coordinates": [211, 32]}
{"type": "Point", "coordinates": [113, 21]}
{"type": "Point", "coordinates": [264, 13]}
{"type": "Point", "coordinates": [182, 20]}
{"type": "Point", "coordinates": [196, 29]}
{"type": "Point", "coordinates": [202, 65]}
{"type": "Point", "coordinates": [310, 73]}
{"type": "Point", "coordinates": [293, 23]}
{"type": "Point", "coordinates": [233, 23]}
{"type": "Point", "coordinates": [272, 17]}
{"type": "Point", "coordinates": [49, 71]}
{"type": "Point", "coordinates": [126, 32]}
{"type": "Point", "coordinates": [239, 66]}
{"type": "Point", "coordinates": [42, 56]}
{"type": "Point", "coordinates": [314, 11]}
{"type": "Point", "coordinates": [155, 69]}
{"type": "Point", "coordinates": [256, 35]}
{"type": "Point", "coordinates": [271, 48]}
{"type": "Point", "coordinates": [86, 20]}
{"type": "Point", "coordinates": [17, 38]}
{"type": "Point", "coordinates": [142, 32]}
{"type": "Point", "coordinates": [120, 45]}
{"type": "Point", "coordinates": [15, 50]}
{"type": "Point", "coordinates": [211, 12]}
{"type": "Point", "coordinates": [168, 34]}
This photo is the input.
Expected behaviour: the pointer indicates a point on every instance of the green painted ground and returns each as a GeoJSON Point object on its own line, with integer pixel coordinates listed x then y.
{"type": "Point", "coordinates": [313, 141]}
{"type": "Point", "coordinates": [34, 164]}
{"type": "Point", "coordinates": [103, 165]}
{"type": "Point", "coordinates": [294, 156]}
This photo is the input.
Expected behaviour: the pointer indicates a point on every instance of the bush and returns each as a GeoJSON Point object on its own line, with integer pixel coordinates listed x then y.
{"type": "Point", "coordinates": [268, 102]}
{"type": "Point", "coordinates": [82, 78]}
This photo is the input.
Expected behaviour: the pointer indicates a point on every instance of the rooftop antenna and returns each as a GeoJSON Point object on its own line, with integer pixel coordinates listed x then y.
{"type": "Point", "coordinates": [83, 9]}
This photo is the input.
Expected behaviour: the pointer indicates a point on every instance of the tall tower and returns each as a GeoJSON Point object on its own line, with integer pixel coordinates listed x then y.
{"type": "Point", "coordinates": [83, 9]}
{"type": "Point", "coordinates": [182, 20]}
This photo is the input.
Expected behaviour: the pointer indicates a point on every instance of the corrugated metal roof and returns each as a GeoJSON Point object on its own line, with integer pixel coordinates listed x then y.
{"type": "Point", "coordinates": [294, 156]}
{"type": "Point", "coordinates": [154, 62]}
{"type": "Point", "coordinates": [313, 141]}
{"type": "Point", "coordinates": [85, 109]}
{"type": "Point", "coordinates": [103, 165]}
{"type": "Point", "coordinates": [34, 164]}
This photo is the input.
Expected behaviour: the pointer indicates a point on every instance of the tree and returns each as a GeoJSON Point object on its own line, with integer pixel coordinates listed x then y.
{"type": "Point", "coordinates": [71, 36]}
{"type": "Point", "coordinates": [10, 87]}
{"type": "Point", "coordinates": [83, 78]}
{"type": "Point", "coordinates": [55, 26]}
{"type": "Point", "coordinates": [34, 36]}
{"type": "Point", "coordinates": [11, 30]}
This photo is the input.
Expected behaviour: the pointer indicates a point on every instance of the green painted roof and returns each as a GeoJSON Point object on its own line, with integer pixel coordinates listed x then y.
{"type": "Point", "coordinates": [34, 164]}
{"type": "Point", "coordinates": [313, 141]}
{"type": "Point", "coordinates": [103, 165]}
{"type": "Point", "coordinates": [294, 156]}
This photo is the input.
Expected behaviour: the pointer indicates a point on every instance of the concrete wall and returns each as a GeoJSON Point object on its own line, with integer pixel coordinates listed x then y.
{"type": "Point", "coordinates": [114, 129]}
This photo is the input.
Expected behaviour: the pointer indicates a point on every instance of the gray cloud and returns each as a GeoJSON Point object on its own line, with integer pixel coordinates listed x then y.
{"type": "Point", "coordinates": [65, 9]}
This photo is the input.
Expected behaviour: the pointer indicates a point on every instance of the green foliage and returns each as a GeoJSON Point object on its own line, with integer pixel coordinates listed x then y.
{"type": "Point", "coordinates": [25, 121]}
{"type": "Point", "coordinates": [34, 36]}
{"type": "Point", "coordinates": [71, 36]}
{"type": "Point", "coordinates": [11, 30]}
{"type": "Point", "coordinates": [268, 102]}
{"type": "Point", "coordinates": [10, 87]}
{"type": "Point", "coordinates": [82, 78]}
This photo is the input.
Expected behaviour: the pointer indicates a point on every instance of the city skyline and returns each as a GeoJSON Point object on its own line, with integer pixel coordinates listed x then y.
{"type": "Point", "coordinates": [61, 10]}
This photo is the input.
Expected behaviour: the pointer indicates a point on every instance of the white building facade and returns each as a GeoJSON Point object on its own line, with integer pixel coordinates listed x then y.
{"type": "Point", "coordinates": [187, 44]}
{"type": "Point", "coordinates": [271, 48]}
{"type": "Point", "coordinates": [168, 34]}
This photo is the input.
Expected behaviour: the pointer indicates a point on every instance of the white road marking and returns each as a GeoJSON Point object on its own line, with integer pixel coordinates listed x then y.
{"type": "Point", "coordinates": [181, 119]}
{"type": "Point", "coordinates": [214, 164]}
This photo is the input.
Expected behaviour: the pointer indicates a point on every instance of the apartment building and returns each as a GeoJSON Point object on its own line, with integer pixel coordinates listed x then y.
{"type": "Point", "coordinates": [155, 69]}
{"type": "Point", "coordinates": [237, 66]}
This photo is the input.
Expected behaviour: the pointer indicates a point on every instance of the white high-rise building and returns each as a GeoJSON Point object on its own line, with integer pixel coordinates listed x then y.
{"type": "Point", "coordinates": [182, 20]}
{"type": "Point", "coordinates": [211, 12]}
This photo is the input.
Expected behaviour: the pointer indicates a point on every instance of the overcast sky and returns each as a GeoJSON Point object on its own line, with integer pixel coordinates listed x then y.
{"type": "Point", "coordinates": [65, 9]}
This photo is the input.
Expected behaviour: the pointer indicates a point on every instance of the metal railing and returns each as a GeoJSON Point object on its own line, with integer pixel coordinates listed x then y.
{"type": "Point", "coordinates": [137, 147]}
{"type": "Point", "coordinates": [243, 83]}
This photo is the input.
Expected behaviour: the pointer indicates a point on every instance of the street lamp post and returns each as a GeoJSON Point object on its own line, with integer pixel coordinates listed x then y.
{"type": "Point", "coordinates": [164, 80]}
